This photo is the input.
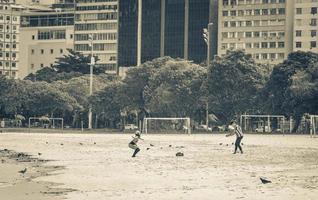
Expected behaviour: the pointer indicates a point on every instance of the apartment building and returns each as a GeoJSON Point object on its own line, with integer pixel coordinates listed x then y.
{"type": "Point", "coordinates": [264, 28]}
{"type": "Point", "coordinates": [46, 37]}
{"type": "Point", "coordinates": [9, 39]}
{"type": "Point", "coordinates": [306, 26]}
{"type": "Point", "coordinates": [97, 18]}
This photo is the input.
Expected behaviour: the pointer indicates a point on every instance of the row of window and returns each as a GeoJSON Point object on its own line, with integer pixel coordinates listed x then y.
{"type": "Point", "coordinates": [8, 55]}
{"type": "Point", "coordinates": [255, 12]}
{"type": "Point", "coordinates": [96, 16]}
{"type": "Point", "coordinates": [96, 36]}
{"type": "Point", "coordinates": [311, 22]}
{"type": "Point", "coordinates": [299, 33]}
{"type": "Point", "coordinates": [7, 64]}
{"type": "Point", "coordinates": [254, 23]}
{"type": "Point", "coordinates": [13, 27]}
{"type": "Point", "coordinates": [96, 47]}
{"type": "Point", "coordinates": [312, 44]}
{"type": "Point", "coordinates": [99, 7]}
{"type": "Point", "coordinates": [41, 65]}
{"type": "Point", "coordinates": [51, 35]}
{"type": "Point", "coordinates": [243, 2]}
{"type": "Point", "coordinates": [94, 1]}
{"type": "Point", "coordinates": [312, 10]}
{"type": "Point", "coordinates": [8, 36]}
{"type": "Point", "coordinates": [8, 17]}
{"type": "Point", "coordinates": [269, 56]}
{"type": "Point", "coordinates": [95, 26]}
{"type": "Point", "coordinates": [255, 34]}
{"type": "Point", "coordinates": [8, 45]}
{"type": "Point", "coordinates": [255, 45]}
{"type": "Point", "coordinates": [50, 51]}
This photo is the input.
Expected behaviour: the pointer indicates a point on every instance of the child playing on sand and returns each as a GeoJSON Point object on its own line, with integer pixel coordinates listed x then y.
{"type": "Point", "coordinates": [237, 130]}
{"type": "Point", "coordinates": [133, 143]}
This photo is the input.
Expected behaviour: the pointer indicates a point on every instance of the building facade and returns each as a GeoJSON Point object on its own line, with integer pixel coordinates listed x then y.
{"type": "Point", "coordinates": [9, 39]}
{"type": "Point", "coordinates": [97, 18]}
{"type": "Point", "coordinates": [46, 37]}
{"type": "Point", "coordinates": [167, 28]}
{"type": "Point", "coordinates": [306, 26]}
{"type": "Point", "coordinates": [262, 27]}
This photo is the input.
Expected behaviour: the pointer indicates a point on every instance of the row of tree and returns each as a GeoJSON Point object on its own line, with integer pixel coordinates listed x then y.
{"type": "Point", "coordinates": [231, 85]}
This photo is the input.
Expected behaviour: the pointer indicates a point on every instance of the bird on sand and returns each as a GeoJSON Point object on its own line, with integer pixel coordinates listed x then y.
{"type": "Point", "coordinates": [23, 171]}
{"type": "Point", "coordinates": [264, 181]}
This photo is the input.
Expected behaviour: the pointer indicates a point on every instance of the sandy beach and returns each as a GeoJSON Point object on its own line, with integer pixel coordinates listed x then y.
{"type": "Point", "coordinates": [96, 166]}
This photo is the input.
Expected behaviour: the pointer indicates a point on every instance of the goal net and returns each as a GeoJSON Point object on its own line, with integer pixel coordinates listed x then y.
{"type": "Point", "coordinates": [46, 123]}
{"type": "Point", "coordinates": [167, 125]}
{"type": "Point", "coordinates": [313, 125]}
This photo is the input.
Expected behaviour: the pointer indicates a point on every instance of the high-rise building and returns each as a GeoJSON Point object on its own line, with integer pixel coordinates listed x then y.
{"type": "Point", "coordinates": [97, 19]}
{"type": "Point", "coordinates": [306, 26]}
{"type": "Point", "coordinates": [46, 37]}
{"type": "Point", "coordinates": [150, 29]}
{"type": "Point", "coordinates": [264, 28]}
{"type": "Point", "coordinates": [9, 39]}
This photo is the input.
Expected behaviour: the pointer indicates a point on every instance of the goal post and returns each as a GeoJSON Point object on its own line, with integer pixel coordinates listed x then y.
{"type": "Point", "coordinates": [182, 123]}
{"type": "Point", "coordinates": [313, 125]}
{"type": "Point", "coordinates": [46, 123]}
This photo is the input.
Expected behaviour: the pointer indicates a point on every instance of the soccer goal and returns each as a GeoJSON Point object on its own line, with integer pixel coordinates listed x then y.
{"type": "Point", "coordinates": [167, 125]}
{"type": "Point", "coordinates": [313, 125]}
{"type": "Point", "coordinates": [46, 123]}
{"type": "Point", "coordinates": [264, 123]}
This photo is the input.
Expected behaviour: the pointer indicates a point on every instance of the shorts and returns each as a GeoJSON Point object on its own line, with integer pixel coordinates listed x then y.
{"type": "Point", "coordinates": [133, 146]}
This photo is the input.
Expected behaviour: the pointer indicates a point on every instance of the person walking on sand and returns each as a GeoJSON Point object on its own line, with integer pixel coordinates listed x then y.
{"type": "Point", "coordinates": [237, 130]}
{"type": "Point", "coordinates": [133, 143]}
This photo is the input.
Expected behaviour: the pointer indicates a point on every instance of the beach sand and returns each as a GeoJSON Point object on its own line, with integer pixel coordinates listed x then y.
{"type": "Point", "coordinates": [98, 167]}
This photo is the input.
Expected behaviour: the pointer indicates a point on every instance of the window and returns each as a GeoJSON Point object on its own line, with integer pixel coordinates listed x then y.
{"type": "Point", "coordinates": [281, 1]}
{"type": "Point", "coordinates": [257, 23]}
{"type": "Point", "coordinates": [272, 45]}
{"type": "Point", "coordinates": [264, 12]}
{"type": "Point", "coordinates": [281, 44]}
{"type": "Point", "coordinates": [272, 56]}
{"type": "Point", "coordinates": [313, 44]}
{"type": "Point", "coordinates": [240, 12]}
{"type": "Point", "coordinates": [313, 22]}
{"type": "Point", "coordinates": [273, 11]}
{"type": "Point", "coordinates": [226, 24]}
{"type": "Point", "coordinates": [32, 51]}
{"type": "Point", "coordinates": [257, 12]}
{"type": "Point", "coordinates": [264, 45]}
{"type": "Point", "coordinates": [256, 34]}
{"type": "Point", "coordinates": [264, 56]}
{"type": "Point", "coordinates": [248, 45]}
{"type": "Point", "coordinates": [52, 51]}
{"type": "Point", "coordinates": [313, 10]}
{"type": "Point", "coordinates": [298, 33]}
{"type": "Point", "coordinates": [233, 24]}
{"type": "Point", "coordinates": [225, 13]}
{"type": "Point", "coordinates": [233, 13]}
{"type": "Point", "coordinates": [299, 11]}
{"type": "Point", "coordinates": [33, 37]}
{"type": "Point", "coordinates": [42, 51]}
{"type": "Point", "coordinates": [42, 65]}
{"type": "Point", "coordinates": [13, 64]}
{"type": "Point", "coordinates": [32, 66]}
{"type": "Point", "coordinates": [313, 33]}
{"type": "Point", "coordinates": [61, 50]}
{"type": "Point", "coordinates": [256, 45]}
{"type": "Point", "coordinates": [248, 23]}
{"type": "Point", "coordinates": [298, 44]}
{"type": "Point", "coordinates": [281, 11]}
{"type": "Point", "coordinates": [248, 34]}
{"type": "Point", "coordinates": [281, 56]}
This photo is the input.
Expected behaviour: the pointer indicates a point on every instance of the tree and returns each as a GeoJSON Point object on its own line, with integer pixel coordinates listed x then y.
{"type": "Point", "coordinates": [234, 83]}
{"type": "Point", "coordinates": [174, 89]}
{"type": "Point", "coordinates": [73, 64]}
{"type": "Point", "coordinates": [291, 88]}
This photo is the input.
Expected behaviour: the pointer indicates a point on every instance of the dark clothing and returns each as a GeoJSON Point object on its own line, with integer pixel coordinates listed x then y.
{"type": "Point", "coordinates": [238, 144]}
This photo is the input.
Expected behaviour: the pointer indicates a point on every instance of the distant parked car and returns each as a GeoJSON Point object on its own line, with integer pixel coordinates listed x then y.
{"type": "Point", "coordinates": [261, 129]}
{"type": "Point", "coordinates": [131, 127]}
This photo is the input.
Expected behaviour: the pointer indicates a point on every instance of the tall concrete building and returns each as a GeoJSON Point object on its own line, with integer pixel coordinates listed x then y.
{"type": "Point", "coordinates": [150, 29]}
{"type": "Point", "coordinates": [264, 28]}
{"type": "Point", "coordinates": [9, 39]}
{"type": "Point", "coordinates": [46, 37]}
{"type": "Point", "coordinates": [306, 26]}
{"type": "Point", "coordinates": [97, 18]}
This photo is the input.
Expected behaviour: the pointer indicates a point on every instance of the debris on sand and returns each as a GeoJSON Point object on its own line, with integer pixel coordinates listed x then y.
{"type": "Point", "coordinates": [227, 144]}
{"type": "Point", "coordinates": [264, 180]}
{"type": "Point", "coordinates": [180, 147]}
{"type": "Point", "coordinates": [170, 145]}
{"type": "Point", "coordinates": [152, 145]}
{"type": "Point", "coordinates": [46, 143]}
{"type": "Point", "coordinates": [94, 142]}
{"type": "Point", "coordinates": [23, 171]}
{"type": "Point", "coordinates": [148, 148]}
{"type": "Point", "coordinates": [39, 154]}
{"type": "Point", "coordinates": [62, 144]}
{"type": "Point", "coordinates": [232, 143]}
{"type": "Point", "coordinates": [179, 154]}
{"type": "Point", "coordinates": [220, 143]}
{"type": "Point", "coordinates": [242, 144]}
{"type": "Point", "coordinates": [81, 143]}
